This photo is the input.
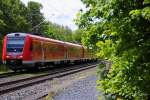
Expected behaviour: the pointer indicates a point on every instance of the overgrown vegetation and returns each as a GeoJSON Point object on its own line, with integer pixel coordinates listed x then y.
{"type": "Point", "coordinates": [0, 48]}
{"type": "Point", "coordinates": [17, 17]}
{"type": "Point", "coordinates": [121, 31]}
{"type": "Point", "coordinates": [4, 69]}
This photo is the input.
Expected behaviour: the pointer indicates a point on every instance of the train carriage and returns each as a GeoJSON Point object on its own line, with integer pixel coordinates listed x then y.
{"type": "Point", "coordinates": [22, 51]}
{"type": "Point", "coordinates": [75, 52]}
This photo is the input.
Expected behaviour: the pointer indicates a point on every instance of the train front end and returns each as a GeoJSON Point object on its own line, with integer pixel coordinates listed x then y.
{"type": "Point", "coordinates": [13, 50]}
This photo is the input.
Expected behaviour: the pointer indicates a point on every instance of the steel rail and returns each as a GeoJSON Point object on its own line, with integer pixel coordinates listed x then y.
{"type": "Point", "coordinates": [22, 83]}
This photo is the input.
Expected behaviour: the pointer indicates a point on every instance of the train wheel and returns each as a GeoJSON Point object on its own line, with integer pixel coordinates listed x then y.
{"type": "Point", "coordinates": [15, 69]}
{"type": "Point", "coordinates": [34, 69]}
{"type": "Point", "coordinates": [12, 67]}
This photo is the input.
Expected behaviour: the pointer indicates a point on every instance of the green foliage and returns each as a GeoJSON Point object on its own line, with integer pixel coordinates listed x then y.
{"type": "Point", "coordinates": [0, 49]}
{"type": "Point", "coordinates": [35, 17]}
{"type": "Point", "coordinates": [120, 30]}
{"type": "Point", "coordinates": [12, 15]}
{"type": "Point", "coordinates": [63, 33]}
{"type": "Point", "coordinates": [76, 35]}
{"type": "Point", "coordinates": [4, 69]}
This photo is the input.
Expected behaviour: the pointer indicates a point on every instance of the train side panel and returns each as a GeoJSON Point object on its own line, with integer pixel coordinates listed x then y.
{"type": "Point", "coordinates": [74, 52]}
{"type": "Point", "coordinates": [36, 50]}
{"type": "Point", "coordinates": [53, 51]}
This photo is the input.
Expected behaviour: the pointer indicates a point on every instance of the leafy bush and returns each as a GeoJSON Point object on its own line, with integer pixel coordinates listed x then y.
{"type": "Point", "coordinates": [120, 31]}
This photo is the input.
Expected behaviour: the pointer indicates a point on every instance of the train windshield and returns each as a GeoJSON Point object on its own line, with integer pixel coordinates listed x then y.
{"type": "Point", "coordinates": [15, 44]}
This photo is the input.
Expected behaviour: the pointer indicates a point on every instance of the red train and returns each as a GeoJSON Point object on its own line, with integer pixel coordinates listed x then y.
{"type": "Point", "coordinates": [23, 51]}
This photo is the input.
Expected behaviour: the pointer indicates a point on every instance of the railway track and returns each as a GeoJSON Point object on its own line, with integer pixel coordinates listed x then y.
{"type": "Point", "coordinates": [22, 83]}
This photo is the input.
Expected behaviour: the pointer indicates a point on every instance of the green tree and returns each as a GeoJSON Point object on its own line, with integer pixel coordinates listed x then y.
{"type": "Point", "coordinates": [12, 16]}
{"type": "Point", "coordinates": [35, 17]}
{"type": "Point", "coordinates": [77, 35]}
{"type": "Point", "coordinates": [59, 32]}
{"type": "Point", "coordinates": [120, 29]}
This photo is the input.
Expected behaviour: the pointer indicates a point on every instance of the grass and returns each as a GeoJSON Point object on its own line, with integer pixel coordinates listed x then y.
{"type": "Point", "coordinates": [50, 96]}
{"type": "Point", "coordinates": [4, 69]}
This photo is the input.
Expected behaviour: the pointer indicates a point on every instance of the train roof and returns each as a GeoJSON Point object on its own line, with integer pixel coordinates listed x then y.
{"type": "Point", "coordinates": [16, 34]}
{"type": "Point", "coordinates": [41, 38]}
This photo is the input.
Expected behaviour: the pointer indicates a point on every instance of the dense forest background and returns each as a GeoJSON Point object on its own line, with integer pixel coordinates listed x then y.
{"type": "Point", "coordinates": [120, 29]}
{"type": "Point", "coordinates": [16, 17]}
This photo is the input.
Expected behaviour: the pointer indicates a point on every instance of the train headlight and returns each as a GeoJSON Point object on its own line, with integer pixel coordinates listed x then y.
{"type": "Point", "coordinates": [20, 56]}
{"type": "Point", "coordinates": [7, 56]}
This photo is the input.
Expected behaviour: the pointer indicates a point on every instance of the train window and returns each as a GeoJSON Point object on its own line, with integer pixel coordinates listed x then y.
{"type": "Point", "coordinates": [15, 44]}
{"type": "Point", "coordinates": [37, 46]}
{"type": "Point", "coordinates": [52, 47]}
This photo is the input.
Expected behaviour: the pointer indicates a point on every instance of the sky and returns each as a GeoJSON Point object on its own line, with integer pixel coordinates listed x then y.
{"type": "Point", "coordinates": [62, 12]}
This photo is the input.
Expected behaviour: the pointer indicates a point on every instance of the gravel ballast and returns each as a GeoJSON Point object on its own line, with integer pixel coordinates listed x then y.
{"type": "Point", "coordinates": [73, 86]}
{"type": "Point", "coordinates": [84, 89]}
